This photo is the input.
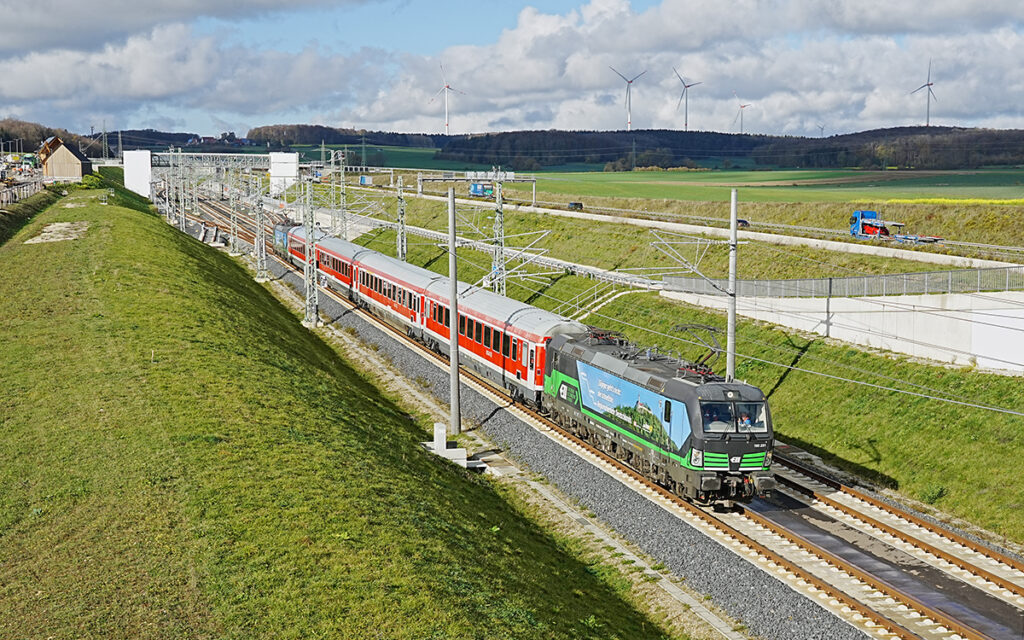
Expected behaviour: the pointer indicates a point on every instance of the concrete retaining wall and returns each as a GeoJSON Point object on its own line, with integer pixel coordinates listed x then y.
{"type": "Point", "coordinates": [983, 329]}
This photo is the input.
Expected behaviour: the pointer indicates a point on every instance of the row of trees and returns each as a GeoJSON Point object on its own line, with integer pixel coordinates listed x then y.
{"type": "Point", "coordinates": [906, 147]}
{"type": "Point", "coordinates": [285, 135]}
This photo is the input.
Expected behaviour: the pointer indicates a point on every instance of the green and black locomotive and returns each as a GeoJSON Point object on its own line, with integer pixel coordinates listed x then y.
{"type": "Point", "coordinates": [692, 432]}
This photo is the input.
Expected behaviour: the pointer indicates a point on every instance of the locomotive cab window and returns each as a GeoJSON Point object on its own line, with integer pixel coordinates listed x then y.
{"type": "Point", "coordinates": [739, 417]}
{"type": "Point", "coordinates": [751, 417]}
{"type": "Point", "coordinates": [718, 417]}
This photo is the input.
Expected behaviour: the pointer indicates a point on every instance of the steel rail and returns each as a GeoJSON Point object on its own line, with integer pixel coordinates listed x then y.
{"type": "Point", "coordinates": [900, 513]}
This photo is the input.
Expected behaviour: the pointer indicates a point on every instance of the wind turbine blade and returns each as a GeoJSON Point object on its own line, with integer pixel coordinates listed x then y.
{"type": "Point", "coordinates": [737, 117]}
{"type": "Point", "coordinates": [437, 94]}
{"type": "Point", "coordinates": [932, 94]}
{"type": "Point", "coordinates": [693, 84]}
{"type": "Point", "coordinates": [929, 69]}
{"type": "Point", "coordinates": [444, 78]}
{"type": "Point", "coordinates": [638, 75]}
{"type": "Point", "coordinates": [681, 98]}
{"type": "Point", "coordinates": [918, 89]}
{"type": "Point", "coordinates": [679, 76]}
{"type": "Point", "coordinates": [617, 73]}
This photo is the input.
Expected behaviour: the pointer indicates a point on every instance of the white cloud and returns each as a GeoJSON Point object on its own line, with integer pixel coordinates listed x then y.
{"type": "Point", "coordinates": [849, 65]}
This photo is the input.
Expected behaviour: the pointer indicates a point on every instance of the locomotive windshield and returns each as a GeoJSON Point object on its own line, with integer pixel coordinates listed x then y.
{"type": "Point", "coordinates": [734, 417]}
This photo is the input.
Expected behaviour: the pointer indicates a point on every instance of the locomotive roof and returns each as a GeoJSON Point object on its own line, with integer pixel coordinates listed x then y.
{"type": "Point", "coordinates": [492, 307]}
{"type": "Point", "coordinates": [653, 370]}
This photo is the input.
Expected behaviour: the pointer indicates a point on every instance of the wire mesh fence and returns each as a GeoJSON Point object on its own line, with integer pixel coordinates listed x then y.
{"type": "Point", "coordinates": [959, 281]}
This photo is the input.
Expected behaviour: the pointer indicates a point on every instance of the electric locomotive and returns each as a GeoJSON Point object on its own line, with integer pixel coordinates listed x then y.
{"type": "Point", "coordinates": [688, 430]}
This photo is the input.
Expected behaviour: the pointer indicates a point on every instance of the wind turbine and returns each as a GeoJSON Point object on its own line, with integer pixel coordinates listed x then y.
{"type": "Point", "coordinates": [446, 88]}
{"type": "Point", "coordinates": [629, 105]}
{"type": "Point", "coordinates": [928, 97]}
{"type": "Point", "coordinates": [821, 130]}
{"type": "Point", "coordinates": [685, 96]}
{"type": "Point", "coordinates": [739, 114]}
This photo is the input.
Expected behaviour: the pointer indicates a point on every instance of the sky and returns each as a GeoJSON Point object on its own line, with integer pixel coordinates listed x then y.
{"type": "Point", "coordinates": [805, 67]}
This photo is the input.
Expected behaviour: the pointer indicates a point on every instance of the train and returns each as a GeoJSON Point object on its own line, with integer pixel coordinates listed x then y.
{"type": "Point", "coordinates": [705, 439]}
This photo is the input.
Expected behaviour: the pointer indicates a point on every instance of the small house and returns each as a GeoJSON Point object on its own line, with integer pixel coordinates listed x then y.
{"type": "Point", "coordinates": [63, 162]}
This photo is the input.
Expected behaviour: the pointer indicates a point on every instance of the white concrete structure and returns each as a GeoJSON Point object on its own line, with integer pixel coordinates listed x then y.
{"type": "Point", "coordinates": [284, 171]}
{"type": "Point", "coordinates": [138, 171]}
{"type": "Point", "coordinates": [982, 329]}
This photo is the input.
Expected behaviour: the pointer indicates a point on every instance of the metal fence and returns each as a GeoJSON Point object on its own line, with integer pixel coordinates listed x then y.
{"type": "Point", "coordinates": [12, 194]}
{"type": "Point", "coordinates": [960, 281]}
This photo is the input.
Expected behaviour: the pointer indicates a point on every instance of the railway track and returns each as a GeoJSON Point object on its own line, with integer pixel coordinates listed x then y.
{"type": "Point", "coordinates": [883, 570]}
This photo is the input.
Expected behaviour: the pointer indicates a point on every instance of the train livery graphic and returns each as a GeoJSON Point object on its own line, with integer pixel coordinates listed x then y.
{"type": "Point", "coordinates": [676, 423]}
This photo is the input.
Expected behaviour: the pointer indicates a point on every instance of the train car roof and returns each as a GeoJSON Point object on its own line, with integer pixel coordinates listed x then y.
{"type": "Point", "coordinates": [496, 309]}
{"type": "Point", "coordinates": [503, 311]}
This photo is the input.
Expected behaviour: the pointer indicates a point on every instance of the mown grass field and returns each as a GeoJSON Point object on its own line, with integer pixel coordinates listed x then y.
{"type": "Point", "coordinates": [957, 458]}
{"type": "Point", "coordinates": [181, 459]}
{"type": "Point", "coordinates": [785, 185]}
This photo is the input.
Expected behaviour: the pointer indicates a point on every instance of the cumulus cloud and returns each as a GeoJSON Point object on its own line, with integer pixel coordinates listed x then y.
{"type": "Point", "coordinates": [848, 65]}
{"type": "Point", "coordinates": [40, 25]}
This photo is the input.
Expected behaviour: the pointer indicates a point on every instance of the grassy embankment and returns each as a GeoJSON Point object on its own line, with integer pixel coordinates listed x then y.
{"type": "Point", "coordinates": [182, 459]}
{"type": "Point", "coordinates": [588, 242]}
{"type": "Point", "coordinates": [959, 459]}
{"type": "Point", "coordinates": [969, 208]}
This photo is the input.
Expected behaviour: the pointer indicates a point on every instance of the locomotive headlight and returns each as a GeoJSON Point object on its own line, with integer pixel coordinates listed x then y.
{"type": "Point", "coordinates": [697, 458]}
{"type": "Point", "coordinates": [768, 459]}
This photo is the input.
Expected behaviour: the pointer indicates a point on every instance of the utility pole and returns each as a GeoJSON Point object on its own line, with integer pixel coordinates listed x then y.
{"type": "Point", "coordinates": [310, 271]}
{"type": "Point", "coordinates": [322, 158]}
{"type": "Point", "coordinates": [730, 348]}
{"type": "Point", "coordinates": [455, 426]}
{"type": "Point", "coordinates": [364, 149]}
{"type": "Point", "coordinates": [120, 147]}
{"type": "Point", "coordinates": [260, 247]}
{"type": "Point", "coordinates": [498, 261]}
{"type": "Point", "coordinates": [104, 139]}
{"type": "Point", "coordinates": [403, 246]}
{"type": "Point", "coordinates": [233, 204]}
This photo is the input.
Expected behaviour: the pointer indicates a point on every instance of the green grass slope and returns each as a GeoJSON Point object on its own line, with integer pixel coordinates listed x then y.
{"type": "Point", "coordinates": [180, 458]}
{"type": "Point", "coordinates": [958, 458]}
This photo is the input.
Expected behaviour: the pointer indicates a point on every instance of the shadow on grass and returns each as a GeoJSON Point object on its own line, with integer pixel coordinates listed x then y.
{"type": "Point", "coordinates": [796, 359]}
{"type": "Point", "coordinates": [857, 468]}
{"type": "Point", "coordinates": [540, 292]}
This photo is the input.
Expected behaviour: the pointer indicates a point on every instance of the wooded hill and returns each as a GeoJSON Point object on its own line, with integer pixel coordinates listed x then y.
{"type": "Point", "coordinates": [285, 135]}
{"type": "Point", "coordinates": [917, 147]}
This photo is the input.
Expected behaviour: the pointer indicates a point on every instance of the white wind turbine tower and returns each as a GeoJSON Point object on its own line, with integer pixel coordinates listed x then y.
{"type": "Point", "coordinates": [739, 114]}
{"type": "Point", "coordinates": [928, 97]}
{"type": "Point", "coordinates": [685, 96]}
{"type": "Point", "coordinates": [629, 86]}
{"type": "Point", "coordinates": [446, 88]}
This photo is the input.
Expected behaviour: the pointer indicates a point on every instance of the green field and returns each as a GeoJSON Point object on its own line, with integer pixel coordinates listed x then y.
{"type": "Point", "coordinates": [181, 459]}
{"type": "Point", "coordinates": [784, 186]}
{"type": "Point", "coordinates": [925, 449]}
